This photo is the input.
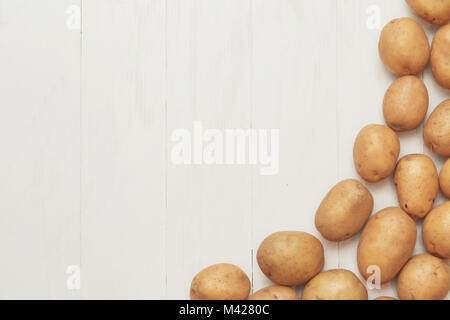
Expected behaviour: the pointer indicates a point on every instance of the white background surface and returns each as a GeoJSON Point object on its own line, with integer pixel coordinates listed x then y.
{"type": "Point", "coordinates": [86, 117]}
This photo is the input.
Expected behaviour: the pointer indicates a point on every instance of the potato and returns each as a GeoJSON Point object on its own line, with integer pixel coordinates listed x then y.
{"type": "Point", "coordinates": [432, 11]}
{"type": "Point", "coordinates": [375, 152]}
{"type": "Point", "coordinates": [344, 210]}
{"type": "Point", "coordinates": [404, 47]}
{"type": "Point", "coordinates": [220, 282]}
{"type": "Point", "coordinates": [436, 132]}
{"type": "Point", "coordinates": [290, 258]}
{"type": "Point", "coordinates": [436, 231]}
{"type": "Point", "coordinates": [387, 242]}
{"type": "Point", "coordinates": [337, 284]}
{"type": "Point", "coordinates": [405, 103]}
{"type": "Point", "coordinates": [417, 183]}
{"type": "Point", "coordinates": [444, 179]}
{"type": "Point", "coordinates": [385, 298]}
{"type": "Point", "coordinates": [275, 293]}
{"type": "Point", "coordinates": [440, 56]}
{"type": "Point", "coordinates": [424, 277]}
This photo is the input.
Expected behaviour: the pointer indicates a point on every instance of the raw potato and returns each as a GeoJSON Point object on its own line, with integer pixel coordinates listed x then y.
{"type": "Point", "coordinates": [344, 210]}
{"type": "Point", "coordinates": [444, 179]}
{"type": "Point", "coordinates": [375, 152]}
{"type": "Point", "coordinates": [290, 258]}
{"type": "Point", "coordinates": [404, 47]}
{"type": "Point", "coordinates": [387, 242]}
{"type": "Point", "coordinates": [436, 132]}
{"type": "Point", "coordinates": [424, 277]}
{"type": "Point", "coordinates": [432, 11]}
{"type": "Point", "coordinates": [220, 282]}
{"type": "Point", "coordinates": [417, 183]}
{"type": "Point", "coordinates": [440, 56]}
{"type": "Point", "coordinates": [275, 293]}
{"type": "Point", "coordinates": [337, 284]}
{"type": "Point", "coordinates": [436, 231]}
{"type": "Point", "coordinates": [405, 103]}
{"type": "Point", "coordinates": [385, 298]}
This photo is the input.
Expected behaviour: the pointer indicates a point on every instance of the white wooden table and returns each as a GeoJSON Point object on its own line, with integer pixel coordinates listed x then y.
{"type": "Point", "coordinates": [88, 103]}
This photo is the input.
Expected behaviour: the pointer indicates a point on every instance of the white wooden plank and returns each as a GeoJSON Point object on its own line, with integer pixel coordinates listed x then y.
{"type": "Point", "coordinates": [39, 135]}
{"type": "Point", "coordinates": [123, 149]}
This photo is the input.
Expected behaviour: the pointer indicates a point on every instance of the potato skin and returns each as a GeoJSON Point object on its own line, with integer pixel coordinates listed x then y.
{"type": "Point", "coordinates": [290, 258]}
{"type": "Point", "coordinates": [440, 56]}
{"type": "Point", "coordinates": [220, 282]}
{"type": "Point", "coordinates": [398, 39]}
{"type": "Point", "coordinates": [337, 284]}
{"type": "Point", "coordinates": [275, 293]}
{"type": "Point", "coordinates": [375, 152]}
{"type": "Point", "coordinates": [385, 298]}
{"type": "Point", "coordinates": [424, 277]}
{"type": "Point", "coordinates": [436, 133]}
{"type": "Point", "coordinates": [344, 210]}
{"type": "Point", "coordinates": [417, 183]}
{"type": "Point", "coordinates": [432, 11]}
{"type": "Point", "coordinates": [405, 103]}
{"type": "Point", "coordinates": [444, 179]}
{"type": "Point", "coordinates": [387, 241]}
{"type": "Point", "coordinates": [436, 231]}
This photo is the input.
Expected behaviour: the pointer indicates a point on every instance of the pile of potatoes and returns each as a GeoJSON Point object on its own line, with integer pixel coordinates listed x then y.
{"type": "Point", "coordinates": [388, 238]}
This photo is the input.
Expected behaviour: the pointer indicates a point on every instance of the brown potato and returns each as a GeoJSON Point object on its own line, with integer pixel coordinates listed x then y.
{"type": "Point", "coordinates": [417, 183]}
{"type": "Point", "coordinates": [405, 103]}
{"type": "Point", "coordinates": [440, 56]}
{"type": "Point", "coordinates": [398, 40]}
{"type": "Point", "coordinates": [337, 284]}
{"type": "Point", "coordinates": [385, 298]}
{"type": "Point", "coordinates": [436, 132]}
{"type": "Point", "coordinates": [387, 242]}
{"type": "Point", "coordinates": [432, 11]}
{"type": "Point", "coordinates": [424, 277]}
{"type": "Point", "coordinates": [444, 179]}
{"type": "Point", "coordinates": [436, 231]}
{"type": "Point", "coordinates": [375, 152]}
{"type": "Point", "coordinates": [220, 282]}
{"type": "Point", "coordinates": [290, 258]}
{"type": "Point", "coordinates": [344, 210]}
{"type": "Point", "coordinates": [275, 293]}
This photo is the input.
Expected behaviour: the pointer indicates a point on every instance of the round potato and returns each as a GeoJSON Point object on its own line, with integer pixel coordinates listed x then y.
{"type": "Point", "coordinates": [220, 282]}
{"type": "Point", "coordinates": [432, 11]}
{"type": "Point", "coordinates": [386, 243]}
{"type": "Point", "coordinates": [444, 179]}
{"type": "Point", "coordinates": [424, 277]}
{"type": "Point", "coordinates": [417, 183]}
{"type": "Point", "coordinates": [385, 298]}
{"type": "Point", "coordinates": [375, 152]}
{"type": "Point", "coordinates": [344, 210]}
{"type": "Point", "coordinates": [404, 47]}
{"type": "Point", "coordinates": [337, 284]}
{"type": "Point", "coordinates": [275, 293]}
{"type": "Point", "coordinates": [440, 56]}
{"type": "Point", "coordinates": [436, 132]}
{"type": "Point", "coordinates": [436, 231]}
{"type": "Point", "coordinates": [405, 103]}
{"type": "Point", "coordinates": [290, 258]}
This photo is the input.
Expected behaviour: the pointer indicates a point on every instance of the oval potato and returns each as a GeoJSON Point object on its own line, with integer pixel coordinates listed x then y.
{"type": "Point", "coordinates": [375, 152]}
{"type": "Point", "coordinates": [398, 40]}
{"type": "Point", "coordinates": [424, 277]}
{"type": "Point", "coordinates": [275, 293]}
{"type": "Point", "coordinates": [444, 179]}
{"type": "Point", "coordinates": [432, 11]}
{"type": "Point", "coordinates": [440, 56]}
{"type": "Point", "coordinates": [337, 284]}
{"type": "Point", "coordinates": [436, 231]}
{"type": "Point", "coordinates": [386, 242]}
{"type": "Point", "coordinates": [405, 103]}
{"type": "Point", "coordinates": [417, 183]}
{"type": "Point", "coordinates": [344, 210]}
{"type": "Point", "coordinates": [385, 298]}
{"type": "Point", "coordinates": [436, 132]}
{"type": "Point", "coordinates": [290, 258]}
{"type": "Point", "coordinates": [220, 282]}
